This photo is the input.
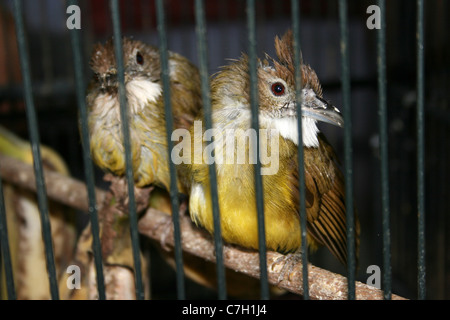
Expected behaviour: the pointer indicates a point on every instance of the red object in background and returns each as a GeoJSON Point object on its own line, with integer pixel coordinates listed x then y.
{"type": "Point", "coordinates": [100, 16]}
{"type": "Point", "coordinates": [134, 12]}
{"type": "Point", "coordinates": [9, 60]}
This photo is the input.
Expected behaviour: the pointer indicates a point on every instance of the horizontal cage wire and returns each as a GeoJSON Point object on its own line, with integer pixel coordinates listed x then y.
{"type": "Point", "coordinates": [134, 223]}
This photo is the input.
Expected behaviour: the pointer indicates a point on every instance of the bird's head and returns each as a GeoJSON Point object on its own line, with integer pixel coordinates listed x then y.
{"type": "Point", "coordinates": [277, 87]}
{"type": "Point", "coordinates": [141, 70]}
{"type": "Point", "coordinates": [277, 96]}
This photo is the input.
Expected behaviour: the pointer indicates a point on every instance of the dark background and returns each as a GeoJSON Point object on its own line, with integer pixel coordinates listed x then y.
{"type": "Point", "coordinates": [52, 75]}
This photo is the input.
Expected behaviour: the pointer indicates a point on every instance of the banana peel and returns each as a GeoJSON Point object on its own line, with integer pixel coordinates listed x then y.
{"type": "Point", "coordinates": [24, 227]}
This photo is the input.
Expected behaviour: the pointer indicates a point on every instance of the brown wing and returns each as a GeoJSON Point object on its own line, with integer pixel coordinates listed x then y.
{"type": "Point", "coordinates": [325, 199]}
{"type": "Point", "coordinates": [186, 91]}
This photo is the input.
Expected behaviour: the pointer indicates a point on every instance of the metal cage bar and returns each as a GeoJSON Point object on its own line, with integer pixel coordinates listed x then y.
{"type": "Point", "coordinates": [251, 28]}
{"type": "Point", "coordinates": [115, 15]}
{"type": "Point", "coordinates": [347, 114]}
{"type": "Point", "coordinates": [87, 161]}
{"type": "Point", "coordinates": [421, 281]}
{"type": "Point", "coordinates": [181, 292]}
{"type": "Point", "coordinates": [300, 154]}
{"type": "Point", "coordinates": [34, 139]}
{"type": "Point", "coordinates": [206, 96]}
{"type": "Point", "coordinates": [384, 165]}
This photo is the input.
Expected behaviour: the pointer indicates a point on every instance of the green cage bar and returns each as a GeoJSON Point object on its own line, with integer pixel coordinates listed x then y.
{"type": "Point", "coordinates": [300, 154]}
{"type": "Point", "coordinates": [206, 96]}
{"type": "Point", "coordinates": [34, 139]}
{"type": "Point", "coordinates": [347, 114]}
{"type": "Point", "coordinates": [115, 15]}
{"type": "Point", "coordinates": [251, 26]}
{"type": "Point", "coordinates": [382, 118]}
{"type": "Point", "coordinates": [420, 152]}
{"type": "Point", "coordinates": [181, 292]}
{"type": "Point", "coordinates": [4, 248]}
{"type": "Point", "coordinates": [87, 161]}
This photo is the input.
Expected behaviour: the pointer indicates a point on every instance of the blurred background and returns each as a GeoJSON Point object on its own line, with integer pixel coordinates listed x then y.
{"type": "Point", "coordinates": [54, 96]}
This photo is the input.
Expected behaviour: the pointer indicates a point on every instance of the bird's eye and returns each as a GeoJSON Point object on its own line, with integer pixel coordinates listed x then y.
{"type": "Point", "coordinates": [139, 58]}
{"type": "Point", "coordinates": [278, 89]}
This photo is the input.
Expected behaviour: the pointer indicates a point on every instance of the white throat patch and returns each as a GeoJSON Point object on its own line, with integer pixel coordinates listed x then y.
{"type": "Point", "coordinates": [287, 127]}
{"type": "Point", "coordinates": [140, 92]}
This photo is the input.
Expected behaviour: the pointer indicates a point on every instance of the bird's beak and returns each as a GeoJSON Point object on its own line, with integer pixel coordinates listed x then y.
{"type": "Point", "coordinates": [108, 79]}
{"type": "Point", "coordinates": [319, 109]}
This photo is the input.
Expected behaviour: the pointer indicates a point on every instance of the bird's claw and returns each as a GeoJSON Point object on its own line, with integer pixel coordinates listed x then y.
{"type": "Point", "coordinates": [289, 261]}
{"type": "Point", "coordinates": [168, 227]}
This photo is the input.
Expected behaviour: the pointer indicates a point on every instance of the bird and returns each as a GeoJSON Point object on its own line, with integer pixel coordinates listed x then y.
{"type": "Point", "coordinates": [324, 182]}
{"type": "Point", "coordinates": [143, 85]}
{"type": "Point", "coordinates": [147, 118]}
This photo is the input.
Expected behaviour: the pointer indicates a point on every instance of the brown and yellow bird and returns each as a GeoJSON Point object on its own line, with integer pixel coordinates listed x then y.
{"type": "Point", "coordinates": [325, 199]}
{"type": "Point", "coordinates": [146, 109]}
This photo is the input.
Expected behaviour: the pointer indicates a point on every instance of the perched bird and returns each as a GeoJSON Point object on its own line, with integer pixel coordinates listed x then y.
{"type": "Point", "coordinates": [325, 199]}
{"type": "Point", "coordinates": [146, 109]}
{"type": "Point", "coordinates": [143, 85]}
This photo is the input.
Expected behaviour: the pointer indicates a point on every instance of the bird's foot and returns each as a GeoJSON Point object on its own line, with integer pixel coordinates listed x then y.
{"type": "Point", "coordinates": [119, 189]}
{"type": "Point", "coordinates": [289, 261]}
{"type": "Point", "coordinates": [167, 228]}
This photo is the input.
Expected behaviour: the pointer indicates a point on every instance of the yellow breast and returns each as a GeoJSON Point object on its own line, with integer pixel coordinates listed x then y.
{"type": "Point", "coordinates": [238, 205]}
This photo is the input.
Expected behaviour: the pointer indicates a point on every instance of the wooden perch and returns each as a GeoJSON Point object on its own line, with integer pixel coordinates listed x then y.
{"type": "Point", "coordinates": [61, 188]}
{"type": "Point", "coordinates": [323, 284]}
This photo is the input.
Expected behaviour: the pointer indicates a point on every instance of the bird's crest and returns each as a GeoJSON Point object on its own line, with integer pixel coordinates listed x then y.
{"type": "Point", "coordinates": [285, 65]}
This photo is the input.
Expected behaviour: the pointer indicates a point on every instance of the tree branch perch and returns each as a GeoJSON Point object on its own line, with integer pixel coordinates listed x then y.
{"type": "Point", "coordinates": [61, 188]}
{"type": "Point", "coordinates": [323, 284]}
